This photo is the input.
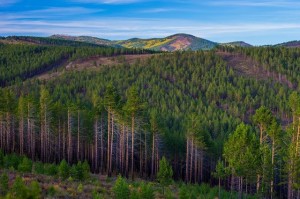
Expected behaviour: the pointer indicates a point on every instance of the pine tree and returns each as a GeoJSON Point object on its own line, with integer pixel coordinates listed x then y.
{"type": "Point", "coordinates": [111, 102]}
{"type": "Point", "coordinates": [45, 117]}
{"type": "Point", "coordinates": [220, 174]}
{"type": "Point", "coordinates": [133, 107]}
{"type": "Point", "coordinates": [263, 118]}
{"type": "Point", "coordinates": [165, 173]}
{"type": "Point", "coordinates": [241, 152]}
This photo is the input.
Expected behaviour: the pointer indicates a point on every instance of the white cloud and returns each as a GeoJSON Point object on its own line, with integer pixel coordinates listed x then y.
{"type": "Point", "coordinates": [50, 13]}
{"type": "Point", "coordinates": [124, 28]}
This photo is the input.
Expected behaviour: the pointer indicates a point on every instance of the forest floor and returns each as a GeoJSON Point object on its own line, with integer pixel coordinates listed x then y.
{"type": "Point", "coordinates": [247, 66]}
{"type": "Point", "coordinates": [53, 187]}
{"type": "Point", "coordinates": [98, 186]}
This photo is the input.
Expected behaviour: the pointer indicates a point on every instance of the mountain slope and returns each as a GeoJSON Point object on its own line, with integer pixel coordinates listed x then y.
{"type": "Point", "coordinates": [46, 41]}
{"type": "Point", "coordinates": [85, 39]}
{"type": "Point", "coordinates": [290, 44]}
{"type": "Point", "coordinates": [237, 44]}
{"type": "Point", "coordinates": [170, 43]}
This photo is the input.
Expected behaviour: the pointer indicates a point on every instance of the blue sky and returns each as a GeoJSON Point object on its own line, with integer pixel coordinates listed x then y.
{"type": "Point", "coordinates": [256, 22]}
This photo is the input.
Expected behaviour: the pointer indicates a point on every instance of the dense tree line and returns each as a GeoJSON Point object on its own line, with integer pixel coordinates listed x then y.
{"type": "Point", "coordinates": [188, 106]}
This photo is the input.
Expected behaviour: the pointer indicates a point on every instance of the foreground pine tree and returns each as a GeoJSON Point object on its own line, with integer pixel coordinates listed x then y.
{"type": "Point", "coordinates": [165, 173]}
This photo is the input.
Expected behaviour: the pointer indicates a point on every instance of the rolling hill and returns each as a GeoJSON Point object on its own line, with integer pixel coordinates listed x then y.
{"type": "Point", "coordinates": [290, 44]}
{"type": "Point", "coordinates": [177, 42]}
{"type": "Point", "coordinates": [237, 44]}
{"type": "Point", "coordinates": [170, 43]}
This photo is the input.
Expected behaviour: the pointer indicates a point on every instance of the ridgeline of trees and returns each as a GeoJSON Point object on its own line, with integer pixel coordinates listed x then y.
{"type": "Point", "coordinates": [211, 124]}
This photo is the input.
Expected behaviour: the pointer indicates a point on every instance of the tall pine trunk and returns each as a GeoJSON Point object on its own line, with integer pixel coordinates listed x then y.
{"type": "Point", "coordinates": [132, 147]}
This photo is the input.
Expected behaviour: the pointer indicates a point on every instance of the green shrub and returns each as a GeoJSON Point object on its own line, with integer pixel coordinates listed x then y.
{"type": "Point", "coordinates": [12, 161]}
{"type": "Point", "coordinates": [213, 192]}
{"type": "Point", "coordinates": [134, 194]}
{"type": "Point", "coordinates": [4, 184]}
{"type": "Point", "coordinates": [204, 189]}
{"type": "Point", "coordinates": [165, 173]}
{"type": "Point", "coordinates": [80, 188]}
{"type": "Point", "coordinates": [97, 195]}
{"type": "Point", "coordinates": [51, 191]}
{"type": "Point", "coordinates": [79, 171]}
{"type": "Point", "coordinates": [147, 191]}
{"type": "Point", "coordinates": [38, 168]}
{"type": "Point", "coordinates": [121, 189]}
{"type": "Point", "coordinates": [169, 194]}
{"type": "Point", "coordinates": [50, 169]}
{"type": "Point", "coordinates": [73, 172]}
{"type": "Point", "coordinates": [63, 169]}
{"type": "Point", "coordinates": [183, 192]}
{"type": "Point", "coordinates": [19, 190]}
{"type": "Point", "coordinates": [86, 170]}
{"type": "Point", "coordinates": [25, 165]}
{"type": "Point", "coordinates": [35, 190]}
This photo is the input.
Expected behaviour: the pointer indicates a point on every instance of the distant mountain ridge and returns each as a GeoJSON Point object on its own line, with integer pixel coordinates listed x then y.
{"type": "Point", "coordinates": [290, 44]}
{"type": "Point", "coordinates": [237, 44]}
{"type": "Point", "coordinates": [176, 42]}
{"type": "Point", "coordinates": [170, 43]}
{"type": "Point", "coordinates": [86, 39]}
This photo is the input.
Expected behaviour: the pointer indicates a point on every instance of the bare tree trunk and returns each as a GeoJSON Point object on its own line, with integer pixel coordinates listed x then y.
{"type": "Point", "coordinates": [121, 151]}
{"type": "Point", "coordinates": [191, 165]}
{"type": "Point", "coordinates": [260, 142]}
{"type": "Point", "coordinates": [42, 139]}
{"type": "Point", "coordinates": [127, 153]}
{"type": "Point", "coordinates": [146, 158]}
{"type": "Point", "coordinates": [59, 141]}
{"type": "Point", "coordinates": [272, 177]}
{"type": "Point", "coordinates": [187, 162]}
{"type": "Point", "coordinates": [64, 142]}
{"type": "Point", "coordinates": [141, 155]}
{"type": "Point", "coordinates": [32, 131]}
{"type": "Point", "coordinates": [102, 145]}
{"type": "Point", "coordinates": [153, 155]}
{"type": "Point", "coordinates": [78, 136]}
{"type": "Point", "coordinates": [96, 144]}
{"type": "Point", "coordinates": [69, 138]}
{"type": "Point", "coordinates": [195, 167]}
{"type": "Point", "coordinates": [21, 134]}
{"type": "Point", "coordinates": [108, 143]}
{"type": "Point", "coordinates": [132, 147]}
{"type": "Point", "coordinates": [112, 142]}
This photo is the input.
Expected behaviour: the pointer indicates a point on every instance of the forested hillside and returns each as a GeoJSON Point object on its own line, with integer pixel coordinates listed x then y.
{"type": "Point", "coordinates": [19, 62]}
{"type": "Point", "coordinates": [213, 117]}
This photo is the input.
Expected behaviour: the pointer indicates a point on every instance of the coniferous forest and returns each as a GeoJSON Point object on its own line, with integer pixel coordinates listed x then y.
{"type": "Point", "coordinates": [198, 120]}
